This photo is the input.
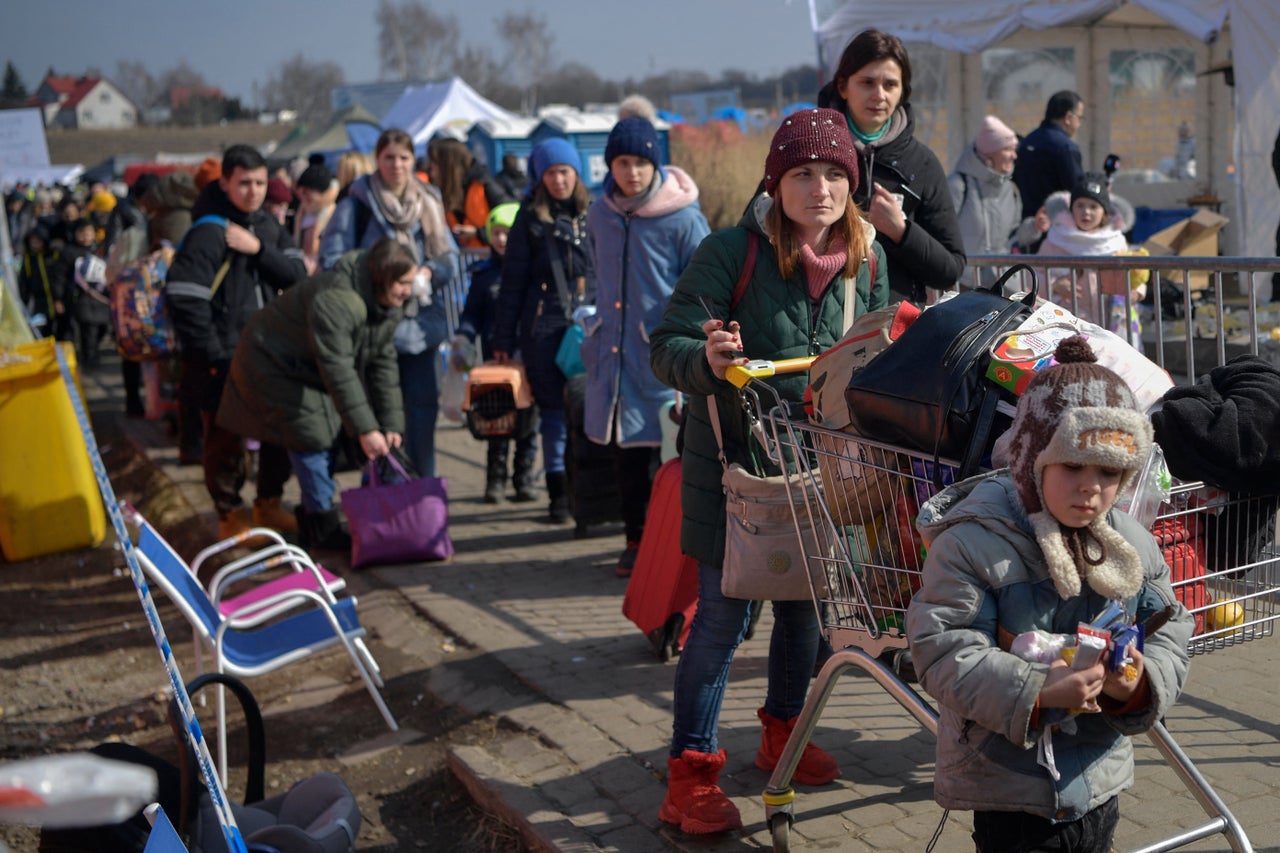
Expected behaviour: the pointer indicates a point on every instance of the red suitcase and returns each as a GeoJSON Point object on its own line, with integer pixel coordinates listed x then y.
{"type": "Point", "coordinates": [662, 593]}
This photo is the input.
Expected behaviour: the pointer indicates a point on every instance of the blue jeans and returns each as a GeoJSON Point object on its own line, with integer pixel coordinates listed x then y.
{"type": "Point", "coordinates": [555, 437]}
{"type": "Point", "coordinates": [420, 386]}
{"type": "Point", "coordinates": [703, 671]}
{"type": "Point", "coordinates": [314, 470]}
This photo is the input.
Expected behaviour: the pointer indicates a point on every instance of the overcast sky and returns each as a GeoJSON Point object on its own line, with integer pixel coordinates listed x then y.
{"type": "Point", "coordinates": [236, 43]}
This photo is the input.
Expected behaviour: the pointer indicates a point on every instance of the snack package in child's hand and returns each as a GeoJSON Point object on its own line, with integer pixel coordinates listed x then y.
{"type": "Point", "coordinates": [1040, 646]}
{"type": "Point", "coordinates": [1091, 645]}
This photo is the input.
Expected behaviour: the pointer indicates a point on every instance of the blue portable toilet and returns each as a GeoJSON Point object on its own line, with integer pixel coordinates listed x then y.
{"type": "Point", "coordinates": [491, 139]}
{"type": "Point", "coordinates": [589, 132]}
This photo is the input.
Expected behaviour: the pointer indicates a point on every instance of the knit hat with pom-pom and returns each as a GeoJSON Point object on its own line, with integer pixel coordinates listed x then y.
{"type": "Point", "coordinates": [1078, 412]}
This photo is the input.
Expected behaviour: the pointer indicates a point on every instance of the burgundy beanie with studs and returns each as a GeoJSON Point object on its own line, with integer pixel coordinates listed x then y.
{"type": "Point", "coordinates": [1078, 412]}
{"type": "Point", "coordinates": [810, 136]}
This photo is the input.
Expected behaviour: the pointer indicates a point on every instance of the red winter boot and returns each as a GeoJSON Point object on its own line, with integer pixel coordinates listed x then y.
{"type": "Point", "coordinates": [694, 800]}
{"type": "Point", "coordinates": [816, 766]}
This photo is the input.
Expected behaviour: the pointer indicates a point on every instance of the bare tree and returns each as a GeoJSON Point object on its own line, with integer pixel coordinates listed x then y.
{"type": "Point", "coordinates": [181, 74]}
{"type": "Point", "coordinates": [136, 82]}
{"type": "Point", "coordinates": [528, 40]}
{"type": "Point", "coordinates": [414, 43]}
{"type": "Point", "coordinates": [575, 83]}
{"type": "Point", "coordinates": [302, 86]}
{"type": "Point", "coordinates": [477, 66]}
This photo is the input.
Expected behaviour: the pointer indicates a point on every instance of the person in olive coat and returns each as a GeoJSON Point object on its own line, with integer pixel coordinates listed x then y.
{"type": "Point", "coordinates": [321, 359]}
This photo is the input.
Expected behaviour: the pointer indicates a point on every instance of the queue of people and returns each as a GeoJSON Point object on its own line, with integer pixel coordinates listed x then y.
{"type": "Point", "coordinates": [295, 335]}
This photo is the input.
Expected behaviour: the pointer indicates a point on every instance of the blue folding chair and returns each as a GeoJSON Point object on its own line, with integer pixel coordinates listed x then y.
{"type": "Point", "coordinates": [273, 632]}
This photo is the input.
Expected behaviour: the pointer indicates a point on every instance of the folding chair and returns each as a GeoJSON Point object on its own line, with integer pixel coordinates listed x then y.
{"type": "Point", "coordinates": [270, 633]}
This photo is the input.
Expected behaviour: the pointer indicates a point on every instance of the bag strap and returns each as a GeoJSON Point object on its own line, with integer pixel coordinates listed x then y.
{"type": "Point", "coordinates": [748, 269]}
{"type": "Point", "coordinates": [557, 272]}
{"type": "Point", "coordinates": [217, 279]}
{"type": "Point", "coordinates": [221, 221]}
{"type": "Point", "coordinates": [739, 290]}
{"type": "Point", "coordinates": [998, 286]}
{"type": "Point", "coordinates": [397, 461]}
{"type": "Point", "coordinates": [849, 287]}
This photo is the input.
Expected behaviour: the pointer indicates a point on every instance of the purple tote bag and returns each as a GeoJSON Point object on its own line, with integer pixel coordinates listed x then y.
{"type": "Point", "coordinates": [400, 522]}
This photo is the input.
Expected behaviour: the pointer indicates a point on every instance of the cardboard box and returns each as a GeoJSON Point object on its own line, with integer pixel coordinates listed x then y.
{"type": "Point", "coordinates": [1020, 355]}
{"type": "Point", "coordinates": [1196, 236]}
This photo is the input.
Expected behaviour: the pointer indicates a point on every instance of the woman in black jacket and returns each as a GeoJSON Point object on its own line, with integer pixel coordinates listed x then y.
{"type": "Point", "coordinates": [546, 275]}
{"type": "Point", "coordinates": [904, 189]}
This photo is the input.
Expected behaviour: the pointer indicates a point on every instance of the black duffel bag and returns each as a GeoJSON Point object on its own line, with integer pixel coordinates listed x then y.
{"type": "Point", "coordinates": [928, 392]}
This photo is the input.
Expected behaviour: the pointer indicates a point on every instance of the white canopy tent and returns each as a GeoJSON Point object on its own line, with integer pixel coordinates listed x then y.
{"type": "Point", "coordinates": [1233, 127]}
{"type": "Point", "coordinates": [423, 110]}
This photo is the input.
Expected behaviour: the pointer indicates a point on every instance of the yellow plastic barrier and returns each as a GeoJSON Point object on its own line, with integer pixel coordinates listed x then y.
{"type": "Point", "coordinates": [49, 499]}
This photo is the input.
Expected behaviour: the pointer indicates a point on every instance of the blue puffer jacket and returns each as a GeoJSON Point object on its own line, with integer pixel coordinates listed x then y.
{"type": "Point", "coordinates": [638, 257]}
{"type": "Point", "coordinates": [985, 582]}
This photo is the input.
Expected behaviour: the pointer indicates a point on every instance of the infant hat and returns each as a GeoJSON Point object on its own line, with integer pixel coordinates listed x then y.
{"type": "Point", "coordinates": [634, 136]}
{"type": "Point", "coordinates": [315, 177]}
{"type": "Point", "coordinates": [1078, 412]}
{"type": "Point", "coordinates": [817, 135]}
{"type": "Point", "coordinates": [278, 192]}
{"type": "Point", "coordinates": [1093, 185]}
{"type": "Point", "coordinates": [552, 152]}
{"type": "Point", "coordinates": [993, 136]}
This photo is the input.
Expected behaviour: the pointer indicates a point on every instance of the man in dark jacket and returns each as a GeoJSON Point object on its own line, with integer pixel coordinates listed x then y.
{"type": "Point", "coordinates": [1048, 157]}
{"type": "Point", "coordinates": [227, 268]}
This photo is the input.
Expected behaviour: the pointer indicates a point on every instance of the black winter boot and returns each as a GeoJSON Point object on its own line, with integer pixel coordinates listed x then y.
{"type": "Point", "coordinates": [322, 531]}
{"type": "Point", "coordinates": [495, 474]}
{"type": "Point", "coordinates": [522, 475]}
{"type": "Point", "coordinates": [557, 490]}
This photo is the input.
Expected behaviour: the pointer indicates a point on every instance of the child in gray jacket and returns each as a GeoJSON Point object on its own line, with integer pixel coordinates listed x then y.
{"type": "Point", "coordinates": [1038, 548]}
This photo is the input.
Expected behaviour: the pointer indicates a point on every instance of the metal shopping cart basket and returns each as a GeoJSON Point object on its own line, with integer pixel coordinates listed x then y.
{"type": "Point", "coordinates": [854, 508]}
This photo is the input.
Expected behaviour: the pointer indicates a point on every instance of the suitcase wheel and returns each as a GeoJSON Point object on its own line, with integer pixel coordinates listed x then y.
{"type": "Point", "coordinates": [667, 638]}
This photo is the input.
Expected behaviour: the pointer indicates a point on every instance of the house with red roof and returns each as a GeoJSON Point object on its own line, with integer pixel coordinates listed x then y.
{"type": "Point", "coordinates": [83, 103]}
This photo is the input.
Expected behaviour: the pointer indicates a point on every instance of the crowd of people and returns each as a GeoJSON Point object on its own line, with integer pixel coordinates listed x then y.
{"type": "Point", "coordinates": [308, 308]}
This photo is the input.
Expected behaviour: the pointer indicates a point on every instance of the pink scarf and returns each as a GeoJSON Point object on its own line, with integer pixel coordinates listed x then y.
{"type": "Point", "coordinates": [819, 270]}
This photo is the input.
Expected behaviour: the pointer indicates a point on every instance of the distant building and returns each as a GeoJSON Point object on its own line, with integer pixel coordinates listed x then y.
{"type": "Point", "coordinates": [178, 96]}
{"type": "Point", "coordinates": [86, 103]}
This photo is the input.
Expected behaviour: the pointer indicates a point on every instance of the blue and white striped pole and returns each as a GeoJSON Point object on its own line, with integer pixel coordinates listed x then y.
{"type": "Point", "coordinates": [230, 831]}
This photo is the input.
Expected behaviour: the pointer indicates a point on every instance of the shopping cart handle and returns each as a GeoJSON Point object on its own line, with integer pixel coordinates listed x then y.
{"type": "Point", "coordinates": [742, 375]}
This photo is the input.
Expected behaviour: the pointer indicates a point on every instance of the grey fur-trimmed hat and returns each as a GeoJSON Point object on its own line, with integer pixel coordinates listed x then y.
{"type": "Point", "coordinates": [1079, 412]}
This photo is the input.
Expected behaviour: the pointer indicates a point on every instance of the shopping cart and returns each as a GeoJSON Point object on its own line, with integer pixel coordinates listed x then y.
{"type": "Point", "coordinates": [854, 505]}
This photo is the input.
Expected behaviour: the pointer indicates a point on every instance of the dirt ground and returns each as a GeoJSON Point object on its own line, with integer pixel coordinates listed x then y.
{"type": "Point", "coordinates": [80, 667]}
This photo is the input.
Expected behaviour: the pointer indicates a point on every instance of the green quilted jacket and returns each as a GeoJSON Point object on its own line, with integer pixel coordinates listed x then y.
{"type": "Point", "coordinates": [317, 359]}
{"type": "Point", "coordinates": [778, 321]}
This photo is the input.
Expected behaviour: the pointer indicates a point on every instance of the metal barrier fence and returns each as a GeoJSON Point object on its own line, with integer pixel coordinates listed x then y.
{"type": "Point", "coordinates": [1220, 316]}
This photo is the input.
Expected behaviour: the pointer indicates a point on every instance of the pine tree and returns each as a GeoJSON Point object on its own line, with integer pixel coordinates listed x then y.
{"type": "Point", "coordinates": [14, 90]}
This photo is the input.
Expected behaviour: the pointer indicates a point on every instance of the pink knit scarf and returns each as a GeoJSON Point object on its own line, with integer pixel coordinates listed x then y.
{"type": "Point", "coordinates": [820, 269]}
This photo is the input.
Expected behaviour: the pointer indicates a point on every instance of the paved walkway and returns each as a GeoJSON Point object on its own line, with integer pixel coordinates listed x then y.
{"type": "Point", "coordinates": [541, 643]}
